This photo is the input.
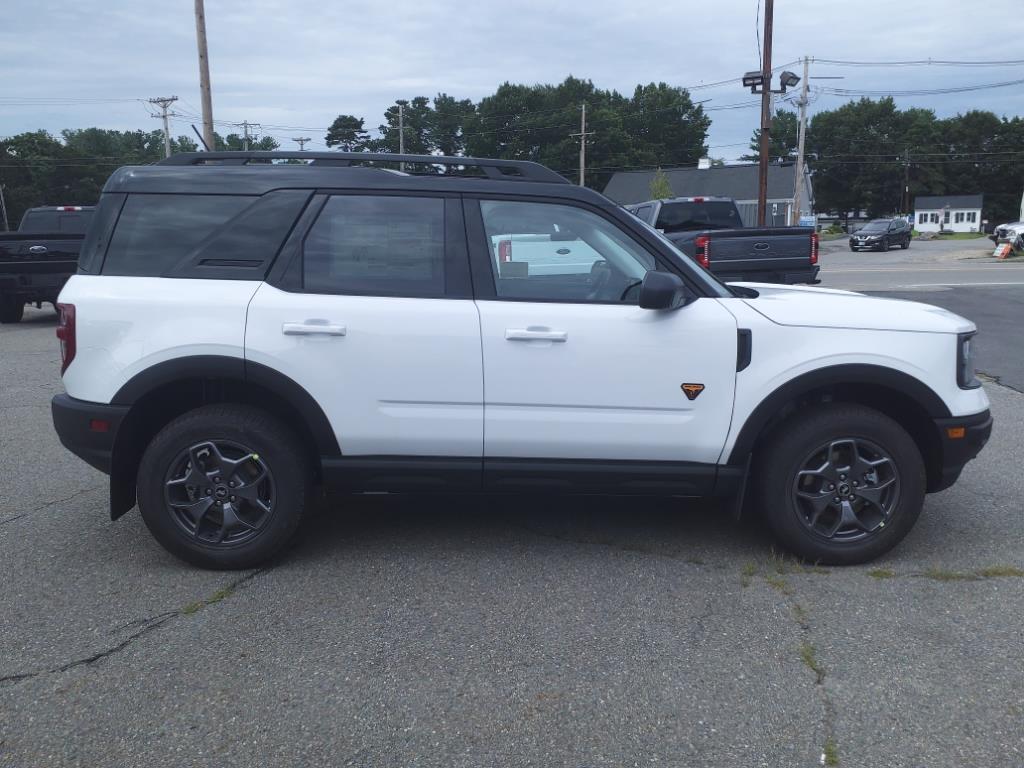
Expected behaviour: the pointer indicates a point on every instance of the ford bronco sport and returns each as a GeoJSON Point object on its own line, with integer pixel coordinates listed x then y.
{"type": "Point", "coordinates": [242, 331]}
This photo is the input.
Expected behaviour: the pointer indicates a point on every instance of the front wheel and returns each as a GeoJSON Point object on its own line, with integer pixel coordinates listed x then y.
{"type": "Point", "coordinates": [12, 309]}
{"type": "Point", "coordinates": [223, 486]}
{"type": "Point", "coordinates": [905, 244]}
{"type": "Point", "coordinates": [840, 483]}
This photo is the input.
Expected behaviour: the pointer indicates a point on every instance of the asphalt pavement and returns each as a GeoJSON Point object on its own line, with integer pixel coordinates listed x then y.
{"type": "Point", "coordinates": [426, 631]}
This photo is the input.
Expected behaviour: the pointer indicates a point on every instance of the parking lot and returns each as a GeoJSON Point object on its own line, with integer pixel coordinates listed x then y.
{"type": "Point", "coordinates": [425, 631]}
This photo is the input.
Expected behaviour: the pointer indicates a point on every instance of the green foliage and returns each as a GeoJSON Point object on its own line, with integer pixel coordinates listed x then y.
{"type": "Point", "coordinates": [783, 138]}
{"type": "Point", "coordinates": [660, 187]}
{"type": "Point", "coordinates": [348, 134]}
{"type": "Point", "coordinates": [235, 142]}
{"type": "Point", "coordinates": [37, 168]}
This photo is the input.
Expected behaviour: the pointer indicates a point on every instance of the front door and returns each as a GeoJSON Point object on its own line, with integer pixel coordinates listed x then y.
{"type": "Point", "coordinates": [573, 368]}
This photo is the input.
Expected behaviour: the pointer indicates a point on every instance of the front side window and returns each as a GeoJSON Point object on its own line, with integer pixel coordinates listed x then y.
{"type": "Point", "coordinates": [154, 232]}
{"type": "Point", "coordinates": [376, 245]}
{"type": "Point", "coordinates": [554, 252]}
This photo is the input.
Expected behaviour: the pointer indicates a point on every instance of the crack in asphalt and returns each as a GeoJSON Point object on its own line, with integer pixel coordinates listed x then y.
{"type": "Point", "coordinates": [148, 625]}
{"type": "Point", "coordinates": [28, 512]}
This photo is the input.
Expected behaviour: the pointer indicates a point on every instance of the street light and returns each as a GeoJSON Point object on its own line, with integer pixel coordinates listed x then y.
{"type": "Point", "coordinates": [788, 80]}
{"type": "Point", "coordinates": [753, 80]}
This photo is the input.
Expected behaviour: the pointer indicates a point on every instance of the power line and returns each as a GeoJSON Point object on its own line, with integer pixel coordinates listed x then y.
{"type": "Point", "coordinates": [921, 63]}
{"type": "Point", "coordinates": [917, 92]}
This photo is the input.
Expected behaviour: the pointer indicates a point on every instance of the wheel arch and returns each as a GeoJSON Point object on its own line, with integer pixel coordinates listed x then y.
{"type": "Point", "coordinates": [167, 390]}
{"type": "Point", "coordinates": [908, 401]}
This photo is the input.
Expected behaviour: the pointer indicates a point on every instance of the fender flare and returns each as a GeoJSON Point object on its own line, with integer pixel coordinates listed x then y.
{"type": "Point", "coordinates": [850, 375]}
{"type": "Point", "coordinates": [212, 367]}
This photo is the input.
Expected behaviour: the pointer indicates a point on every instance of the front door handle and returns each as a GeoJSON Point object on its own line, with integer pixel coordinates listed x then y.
{"type": "Point", "coordinates": [37, 249]}
{"type": "Point", "coordinates": [535, 334]}
{"type": "Point", "coordinates": [312, 327]}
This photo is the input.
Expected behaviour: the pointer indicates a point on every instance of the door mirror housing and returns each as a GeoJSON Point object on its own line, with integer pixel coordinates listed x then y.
{"type": "Point", "coordinates": [664, 290]}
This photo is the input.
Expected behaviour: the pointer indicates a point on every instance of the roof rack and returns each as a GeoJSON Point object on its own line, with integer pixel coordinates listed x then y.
{"type": "Point", "coordinates": [505, 170]}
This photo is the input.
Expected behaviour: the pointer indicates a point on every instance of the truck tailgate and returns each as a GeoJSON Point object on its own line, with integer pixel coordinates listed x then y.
{"type": "Point", "coordinates": [776, 249]}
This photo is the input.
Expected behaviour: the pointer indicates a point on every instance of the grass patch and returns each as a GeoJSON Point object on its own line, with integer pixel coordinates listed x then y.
{"type": "Point", "coordinates": [943, 574]}
{"type": "Point", "coordinates": [778, 583]}
{"type": "Point", "coordinates": [882, 573]}
{"type": "Point", "coordinates": [1000, 572]}
{"type": "Point", "coordinates": [809, 657]}
{"type": "Point", "coordinates": [747, 574]}
{"type": "Point", "coordinates": [800, 614]}
{"type": "Point", "coordinates": [830, 754]}
{"type": "Point", "coordinates": [216, 597]}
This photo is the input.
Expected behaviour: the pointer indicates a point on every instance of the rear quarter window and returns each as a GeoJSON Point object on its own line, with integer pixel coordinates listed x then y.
{"type": "Point", "coordinates": [155, 232]}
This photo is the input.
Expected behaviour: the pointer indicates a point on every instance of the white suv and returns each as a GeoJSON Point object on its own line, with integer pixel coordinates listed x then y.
{"type": "Point", "coordinates": [242, 331]}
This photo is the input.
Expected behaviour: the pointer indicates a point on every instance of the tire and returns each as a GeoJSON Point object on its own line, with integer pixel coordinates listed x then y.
{"type": "Point", "coordinates": [792, 483]}
{"type": "Point", "coordinates": [12, 309]}
{"type": "Point", "coordinates": [905, 244]}
{"type": "Point", "coordinates": [215, 446]}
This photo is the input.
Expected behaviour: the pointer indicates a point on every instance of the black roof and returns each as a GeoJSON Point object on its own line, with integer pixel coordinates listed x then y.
{"type": "Point", "coordinates": [738, 182]}
{"type": "Point", "coordinates": [249, 173]}
{"type": "Point", "coordinates": [936, 202]}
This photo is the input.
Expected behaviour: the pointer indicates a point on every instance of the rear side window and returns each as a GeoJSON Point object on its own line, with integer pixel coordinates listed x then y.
{"type": "Point", "coordinates": [154, 232]}
{"type": "Point", "coordinates": [377, 246]}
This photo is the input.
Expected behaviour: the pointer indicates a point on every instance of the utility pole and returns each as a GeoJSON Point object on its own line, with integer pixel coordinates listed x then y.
{"type": "Point", "coordinates": [401, 133]}
{"type": "Point", "coordinates": [797, 201]}
{"type": "Point", "coordinates": [245, 125]}
{"type": "Point", "coordinates": [583, 142]}
{"type": "Point", "coordinates": [301, 142]}
{"type": "Point", "coordinates": [766, 116]}
{"type": "Point", "coordinates": [204, 76]}
{"type": "Point", "coordinates": [164, 102]}
{"type": "Point", "coordinates": [906, 181]}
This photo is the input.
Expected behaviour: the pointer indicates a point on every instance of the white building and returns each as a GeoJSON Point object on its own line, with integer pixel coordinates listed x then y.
{"type": "Point", "coordinates": [948, 213]}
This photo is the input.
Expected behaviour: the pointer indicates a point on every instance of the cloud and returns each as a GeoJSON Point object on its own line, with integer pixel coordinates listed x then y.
{"type": "Point", "coordinates": [300, 63]}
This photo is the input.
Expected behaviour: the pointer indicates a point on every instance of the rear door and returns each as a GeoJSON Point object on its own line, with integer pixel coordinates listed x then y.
{"type": "Point", "coordinates": [370, 311]}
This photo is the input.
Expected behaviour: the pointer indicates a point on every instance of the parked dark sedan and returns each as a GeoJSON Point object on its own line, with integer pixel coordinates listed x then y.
{"type": "Point", "coordinates": [881, 235]}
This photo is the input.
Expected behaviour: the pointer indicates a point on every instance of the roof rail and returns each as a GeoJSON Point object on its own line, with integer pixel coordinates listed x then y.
{"type": "Point", "coordinates": [505, 170]}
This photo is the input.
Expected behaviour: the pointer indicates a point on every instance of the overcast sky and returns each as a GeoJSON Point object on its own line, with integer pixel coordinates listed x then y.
{"type": "Point", "coordinates": [294, 65]}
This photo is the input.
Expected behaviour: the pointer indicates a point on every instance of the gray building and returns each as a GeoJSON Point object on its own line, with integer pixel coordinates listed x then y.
{"type": "Point", "coordinates": [736, 181]}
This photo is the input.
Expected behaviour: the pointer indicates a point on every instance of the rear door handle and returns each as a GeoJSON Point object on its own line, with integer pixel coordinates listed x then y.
{"type": "Point", "coordinates": [37, 249]}
{"type": "Point", "coordinates": [310, 328]}
{"type": "Point", "coordinates": [535, 334]}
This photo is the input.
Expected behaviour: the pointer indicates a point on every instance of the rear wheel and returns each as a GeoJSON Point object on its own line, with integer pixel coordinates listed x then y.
{"type": "Point", "coordinates": [840, 483]}
{"type": "Point", "coordinates": [223, 486]}
{"type": "Point", "coordinates": [12, 309]}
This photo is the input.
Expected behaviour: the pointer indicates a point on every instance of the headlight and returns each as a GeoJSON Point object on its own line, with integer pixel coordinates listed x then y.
{"type": "Point", "coordinates": [965, 361]}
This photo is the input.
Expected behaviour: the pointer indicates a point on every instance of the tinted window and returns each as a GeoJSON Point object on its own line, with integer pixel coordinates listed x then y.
{"type": "Point", "coordinates": [155, 232]}
{"type": "Point", "coordinates": [681, 216]}
{"type": "Point", "coordinates": [378, 246]}
{"type": "Point", "coordinates": [55, 222]}
{"type": "Point", "coordinates": [551, 252]}
{"type": "Point", "coordinates": [95, 244]}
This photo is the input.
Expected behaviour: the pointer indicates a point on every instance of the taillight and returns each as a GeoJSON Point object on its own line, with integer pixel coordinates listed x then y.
{"type": "Point", "coordinates": [504, 251]}
{"type": "Point", "coordinates": [66, 334]}
{"type": "Point", "coordinates": [702, 251]}
{"type": "Point", "coordinates": [814, 247]}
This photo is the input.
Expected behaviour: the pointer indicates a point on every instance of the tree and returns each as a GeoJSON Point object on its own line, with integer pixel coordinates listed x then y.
{"type": "Point", "coordinates": [445, 132]}
{"type": "Point", "coordinates": [660, 187]}
{"type": "Point", "coordinates": [235, 142]}
{"type": "Point", "coordinates": [783, 138]}
{"type": "Point", "coordinates": [348, 134]}
{"type": "Point", "coordinates": [416, 121]}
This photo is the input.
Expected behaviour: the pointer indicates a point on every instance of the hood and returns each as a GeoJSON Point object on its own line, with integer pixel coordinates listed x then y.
{"type": "Point", "coordinates": [830, 308]}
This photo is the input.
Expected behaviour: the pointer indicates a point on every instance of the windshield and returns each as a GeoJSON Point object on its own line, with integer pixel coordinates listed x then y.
{"type": "Point", "coordinates": [880, 225]}
{"type": "Point", "coordinates": [716, 286]}
{"type": "Point", "coordinates": [682, 216]}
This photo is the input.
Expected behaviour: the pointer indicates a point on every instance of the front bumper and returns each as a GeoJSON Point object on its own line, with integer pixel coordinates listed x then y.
{"type": "Point", "coordinates": [87, 429]}
{"type": "Point", "coordinates": [962, 438]}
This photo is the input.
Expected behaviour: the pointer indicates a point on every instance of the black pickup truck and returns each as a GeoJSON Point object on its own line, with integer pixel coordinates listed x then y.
{"type": "Point", "coordinates": [37, 260]}
{"type": "Point", "coordinates": [709, 230]}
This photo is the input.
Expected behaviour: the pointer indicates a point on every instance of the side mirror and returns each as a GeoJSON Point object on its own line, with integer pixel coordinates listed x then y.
{"type": "Point", "coordinates": [664, 290]}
